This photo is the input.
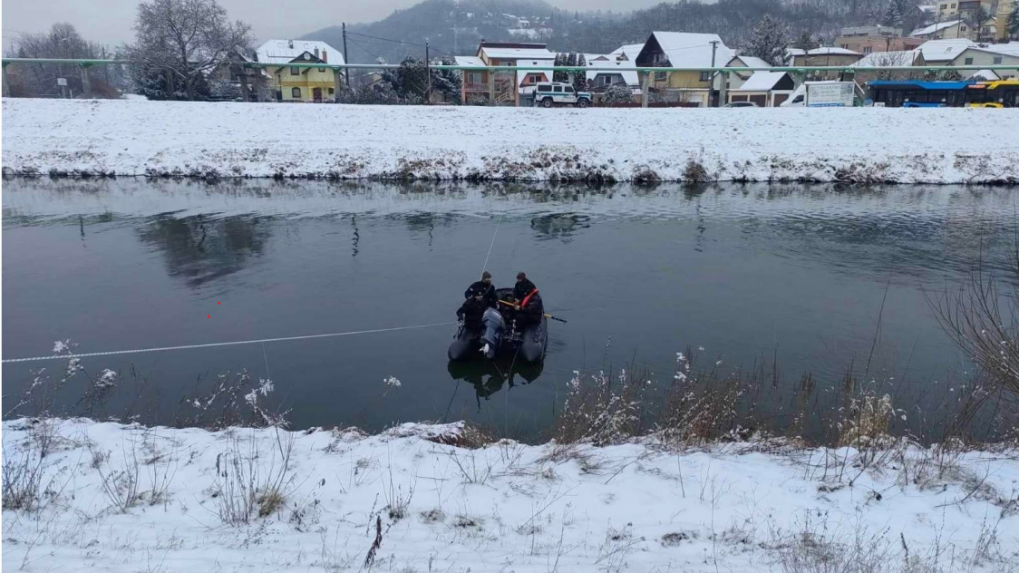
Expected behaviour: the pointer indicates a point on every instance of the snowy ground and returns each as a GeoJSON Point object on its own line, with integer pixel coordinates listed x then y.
{"type": "Point", "coordinates": [403, 142]}
{"type": "Point", "coordinates": [174, 501]}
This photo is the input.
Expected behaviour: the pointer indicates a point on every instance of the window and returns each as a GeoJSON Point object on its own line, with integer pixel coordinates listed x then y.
{"type": "Point", "coordinates": [953, 6]}
{"type": "Point", "coordinates": [660, 76]}
{"type": "Point", "coordinates": [968, 62]}
{"type": "Point", "coordinates": [997, 60]}
{"type": "Point", "coordinates": [474, 77]}
{"type": "Point", "coordinates": [705, 76]}
{"type": "Point", "coordinates": [568, 89]}
{"type": "Point", "coordinates": [295, 93]}
{"type": "Point", "coordinates": [868, 50]}
{"type": "Point", "coordinates": [557, 89]}
{"type": "Point", "coordinates": [544, 88]}
{"type": "Point", "coordinates": [332, 91]}
{"type": "Point", "coordinates": [534, 78]}
{"type": "Point", "coordinates": [295, 71]}
{"type": "Point", "coordinates": [322, 70]}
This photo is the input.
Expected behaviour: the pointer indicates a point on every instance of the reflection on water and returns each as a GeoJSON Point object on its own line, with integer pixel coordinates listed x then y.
{"type": "Point", "coordinates": [749, 272]}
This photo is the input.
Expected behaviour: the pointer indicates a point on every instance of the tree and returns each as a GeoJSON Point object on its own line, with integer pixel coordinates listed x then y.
{"type": "Point", "coordinates": [806, 41]}
{"type": "Point", "coordinates": [448, 82]}
{"type": "Point", "coordinates": [62, 42]}
{"type": "Point", "coordinates": [895, 14]}
{"type": "Point", "coordinates": [558, 76]}
{"type": "Point", "coordinates": [184, 39]}
{"type": "Point", "coordinates": [974, 19]}
{"type": "Point", "coordinates": [768, 41]}
{"type": "Point", "coordinates": [1012, 24]}
{"type": "Point", "coordinates": [580, 78]}
{"type": "Point", "coordinates": [618, 93]}
{"type": "Point", "coordinates": [409, 81]}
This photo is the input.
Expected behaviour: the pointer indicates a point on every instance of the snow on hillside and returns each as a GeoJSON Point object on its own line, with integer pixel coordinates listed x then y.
{"type": "Point", "coordinates": [408, 142]}
{"type": "Point", "coordinates": [124, 498]}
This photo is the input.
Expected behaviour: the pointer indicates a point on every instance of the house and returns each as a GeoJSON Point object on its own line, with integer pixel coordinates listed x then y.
{"type": "Point", "coordinates": [869, 39]}
{"type": "Point", "coordinates": [301, 84]}
{"type": "Point", "coordinates": [1005, 9]}
{"type": "Point", "coordinates": [826, 56]}
{"type": "Point", "coordinates": [682, 50]}
{"type": "Point", "coordinates": [766, 89]}
{"type": "Point", "coordinates": [941, 52]}
{"type": "Point", "coordinates": [504, 87]}
{"type": "Point", "coordinates": [865, 72]}
{"type": "Point", "coordinates": [737, 79]}
{"type": "Point", "coordinates": [232, 80]}
{"type": "Point", "coordinates": [990, 55]}
{"type": "Point", "coordinates": [605, 70]}
{"type": "Point", "coordinates": [943, 31]}
{"type": "Point", "coordinates": [962, 9]}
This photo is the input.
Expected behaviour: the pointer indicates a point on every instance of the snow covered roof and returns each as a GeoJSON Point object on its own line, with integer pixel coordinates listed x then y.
{"type": "Point", "coordinates": [795, 52]}
{"type": "Point", "coordinates": [944, 50]}
{"type": "Point", "coordinates": [985, 75]}
{"type": "Point", "coordinates": [888, 59]}
{"type": "Point", "coordinates": [934, 28]}
{"type": "Point", "coordinates": [627, 69]}
{"type": "Point", "coordinates": [748, 62]}
{"type": "Point", "coordinates": [501, 53]}
{"type": "Point", "coordinates": [629, 50]}
{"type": "Point", "coordinates": [469, 61]}
{"type": "Point", "coordinates": [521, 74]}
{"type": "Point", "coordinates": [1010, 49]}
{"type": "Point", "coordinates": [692, 50]}
{"type": "Point", "coordinates": [832, 51]}
{"type": "Point", "coordinates": [761, 82]}
{"type": "Point", "coordinates": [284, 51]}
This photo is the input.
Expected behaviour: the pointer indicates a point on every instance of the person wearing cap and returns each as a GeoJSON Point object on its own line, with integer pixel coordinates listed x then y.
{"type": "Point", "coordinates": [484, 286]}
{"type": "Point", "coordinates": [472, 311]}
{"type": "Point", "coordinates": [528, 302]}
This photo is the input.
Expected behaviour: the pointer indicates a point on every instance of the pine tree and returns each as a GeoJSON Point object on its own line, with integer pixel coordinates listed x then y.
{"type": "Point", "coordinates": [580, 78]}
{"type": "Point", "coordinates": [768, 41]}
{"type": "Point", "coordinates": [559, 76]}
{"type": "Point", "coordinates": [1012, 24]}
{"type": "Point", "coordinates": [806, 41]}
{"type": "Point", "coordinates": [894, 14]}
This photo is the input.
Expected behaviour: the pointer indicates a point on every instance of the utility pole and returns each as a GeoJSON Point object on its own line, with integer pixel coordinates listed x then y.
{"type": "Point", "coordinates": [711, 84]}
{"type": "Point", "coordinates": [428, 74]}
{"type": "Point", "coordinates": [345, 60]}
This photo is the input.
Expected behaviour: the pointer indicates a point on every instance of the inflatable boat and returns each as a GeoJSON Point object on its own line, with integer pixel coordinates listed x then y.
{"type": "Point", "coordinates": [499, 336]}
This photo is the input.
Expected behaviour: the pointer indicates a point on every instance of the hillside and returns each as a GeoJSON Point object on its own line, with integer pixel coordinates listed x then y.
{"type": "Point", "coordinates": [455, 27]}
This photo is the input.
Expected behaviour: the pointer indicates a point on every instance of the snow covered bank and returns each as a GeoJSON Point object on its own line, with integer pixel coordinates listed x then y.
{"type": "Point", "coordinates": [386, 142]}
{"type": "Point", "coordinates": [112, 497]}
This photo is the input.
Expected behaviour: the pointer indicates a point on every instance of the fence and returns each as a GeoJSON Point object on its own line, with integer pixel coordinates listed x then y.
{"type": "Point", "coordinates": [502, 89]}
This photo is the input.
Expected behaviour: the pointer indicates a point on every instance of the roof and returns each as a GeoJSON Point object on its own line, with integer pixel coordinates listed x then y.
{"type": "Point", "coordinates": [501, 53]}
{"type": "Point", "coordinates": [749, 61]}
{"type": "Point", "coordinates": [627, 69]}
{"type": "Point", "coordinates": [934, 28]}
{"type": "Point", "coordinates": [761, 82]}
{"type": "Point", "coordinates": [832, 51]}
{"type": "Point", "coordinates": [985, 75]}
{"type": "Point", "coordinates": [692, 50]}
{"type": "Point", "coordinates": [629, 50]}
{"type": "Point", "coordinates": [944, 50]}
{"type": "Point", "coordinates": [892, 59]}
{"type": "Point", "coordinates": [469, 61]}
{"type": "Point", "coordinates": [281, 52]}
{"type": "Point", "coordinates": [1011, 49]}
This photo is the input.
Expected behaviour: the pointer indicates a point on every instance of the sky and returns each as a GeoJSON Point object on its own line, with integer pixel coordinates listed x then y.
{"type": "Point", "coordinates": [110, 21]}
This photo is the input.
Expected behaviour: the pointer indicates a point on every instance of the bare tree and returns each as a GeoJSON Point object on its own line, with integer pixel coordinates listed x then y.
{"type": "Point", "coordinates": [185, 40]}
{"type": "Point", "coordinates": [62, 42]}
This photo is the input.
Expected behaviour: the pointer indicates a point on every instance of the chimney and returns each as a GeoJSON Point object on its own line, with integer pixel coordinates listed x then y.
{"type": "Point", "coordinates": [290, 44]}
{"type": "Point", "coordinates": [316, 52]}
{"type": "Point", "coordinates": [324, 58]}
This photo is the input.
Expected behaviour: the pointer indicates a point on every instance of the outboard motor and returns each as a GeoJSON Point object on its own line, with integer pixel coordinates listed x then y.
{"type": "Point", "coordinates": [492, 336]}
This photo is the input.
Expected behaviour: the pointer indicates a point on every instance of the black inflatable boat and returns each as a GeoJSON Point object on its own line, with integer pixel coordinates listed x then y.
{"type": "Point", "coordinates": [500, 336]}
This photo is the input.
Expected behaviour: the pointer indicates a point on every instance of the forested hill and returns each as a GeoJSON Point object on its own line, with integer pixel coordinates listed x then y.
{"type": "Point", "coordinates": [455, 27]}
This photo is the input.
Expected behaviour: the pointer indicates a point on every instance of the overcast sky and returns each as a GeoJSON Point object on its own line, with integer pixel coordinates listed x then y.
{"type": "Point", "coordinates": [110, 21]}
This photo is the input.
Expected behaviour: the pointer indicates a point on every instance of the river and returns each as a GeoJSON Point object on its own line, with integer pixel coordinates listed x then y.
{"type": "Point", "coordinates": [741, 274]}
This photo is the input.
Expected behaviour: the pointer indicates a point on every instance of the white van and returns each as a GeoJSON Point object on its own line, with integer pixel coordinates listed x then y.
{"type": "Point", "coordinates": [551, 94]}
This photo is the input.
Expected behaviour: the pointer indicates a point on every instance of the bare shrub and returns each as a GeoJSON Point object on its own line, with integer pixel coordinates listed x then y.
{"type": "Point", "coordinates": [694, 172]}
{"type": "Point", "coordinates": [120, 484]}
{"type": "Point", "coordinates": [705, 407]}
{"type": "Point", "coordinates": [244, 488]}
{"type": "Point", "coordinates": [23, 470]}
{"type": "Point", "coordinates": [601, 411]}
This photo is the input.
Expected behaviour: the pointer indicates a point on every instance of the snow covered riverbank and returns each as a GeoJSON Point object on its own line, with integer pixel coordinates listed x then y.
{"type": "Point", "coordinates": [126, 138]}
{"type": "Point", "coordinates": [112, 497]}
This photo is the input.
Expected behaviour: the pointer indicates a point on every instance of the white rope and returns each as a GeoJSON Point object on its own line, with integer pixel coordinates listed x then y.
{"type": "Point", "coordinates": [485, 268]}
{"type": "Point", "coordinates": [218, 344]}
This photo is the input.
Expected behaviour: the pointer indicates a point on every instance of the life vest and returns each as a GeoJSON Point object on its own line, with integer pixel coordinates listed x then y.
{"type": "Point", "coordinates": [528, 298]}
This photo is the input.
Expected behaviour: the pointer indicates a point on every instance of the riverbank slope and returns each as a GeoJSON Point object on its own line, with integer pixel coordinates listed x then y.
{"type": "Point", "coordinates": [214, 140]}
{"type": "Point", "coordinates": [128, 498]}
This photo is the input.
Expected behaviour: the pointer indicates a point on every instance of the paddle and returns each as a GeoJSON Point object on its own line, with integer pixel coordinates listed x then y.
{"type": "Point", "coordinates": [547, 315]}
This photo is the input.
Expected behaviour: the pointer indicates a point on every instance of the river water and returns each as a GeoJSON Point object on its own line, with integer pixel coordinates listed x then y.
{"type": "Point", "coordinates": [742, 274]}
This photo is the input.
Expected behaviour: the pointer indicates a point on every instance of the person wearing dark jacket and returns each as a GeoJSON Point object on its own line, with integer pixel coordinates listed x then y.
{"type": "Point", "coordinates": [528, 302]}
{"type": "Point", "coordinates": [472, 311]}
{"type": "Point", "coordinates": [485, 287]}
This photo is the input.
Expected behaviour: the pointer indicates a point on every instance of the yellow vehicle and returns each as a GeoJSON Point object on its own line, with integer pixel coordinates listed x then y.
{"type": "Point", "coordinates": [999, 94]}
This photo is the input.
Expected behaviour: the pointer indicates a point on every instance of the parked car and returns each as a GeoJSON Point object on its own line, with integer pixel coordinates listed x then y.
{"type": "Point", "coordinates": [741, 104]}
{"type": "Point", "coordinates": [550, 94]}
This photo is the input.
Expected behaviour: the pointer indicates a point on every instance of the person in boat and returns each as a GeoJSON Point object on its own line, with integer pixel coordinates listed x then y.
{"type": "Point", "coordinates": [486, 288]}
{"type": "Point", "coordinates": [472, 311]}
{"type": "Point", "coordinates": [527, 302]}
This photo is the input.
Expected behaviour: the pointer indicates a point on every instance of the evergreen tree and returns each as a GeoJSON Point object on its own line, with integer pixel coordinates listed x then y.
{"type": "Point", "coordinates": [1012, 24]}
{"type": "Point", "coordinates": [806, 41]}
{"type": "Point", "coordinates": [558, 76]}
{"type": "Point", "coordinates": [894, 14]}
{"type": "Point", "coordinates": [448, 82]}
{"type": "Point", "coordinates": [768, 41]}
{"type": "Point", "coordinates": [580, 78]}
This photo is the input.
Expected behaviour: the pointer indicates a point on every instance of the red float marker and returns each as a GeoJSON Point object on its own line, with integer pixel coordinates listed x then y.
{"type": "Point", "coordinates": [209, 316]}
